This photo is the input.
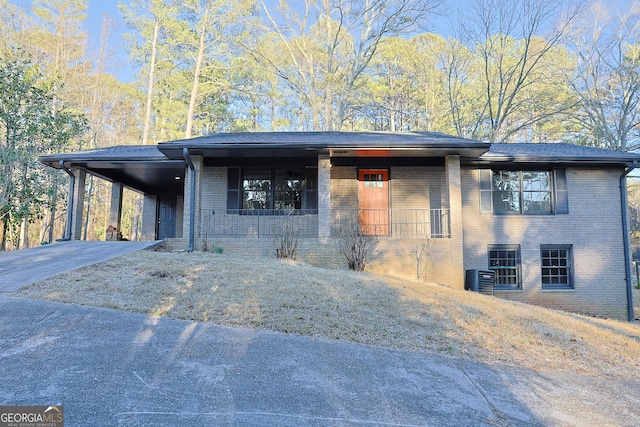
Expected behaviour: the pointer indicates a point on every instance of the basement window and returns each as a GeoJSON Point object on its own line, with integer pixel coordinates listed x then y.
{"type": "Point", "coordinates": [556, 266]}
{"type": "Point", "coordinates": [505, 261]}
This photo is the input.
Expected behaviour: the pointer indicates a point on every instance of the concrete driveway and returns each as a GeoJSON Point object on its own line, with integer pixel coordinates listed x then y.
{"type": "Point", "coordinates": [114, 368]}
{"type": "Point", "coordinates": [20, 268]}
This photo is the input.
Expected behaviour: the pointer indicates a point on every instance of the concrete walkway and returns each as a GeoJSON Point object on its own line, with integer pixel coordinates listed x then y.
{"type": "Point", "coordinates": [20, 268]}
{"type": "Point", "coordinates": [108, 367]}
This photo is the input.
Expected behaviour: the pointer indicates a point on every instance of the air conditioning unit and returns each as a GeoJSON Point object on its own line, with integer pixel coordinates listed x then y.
{"type": "Point", "coordinates": [481, 281]}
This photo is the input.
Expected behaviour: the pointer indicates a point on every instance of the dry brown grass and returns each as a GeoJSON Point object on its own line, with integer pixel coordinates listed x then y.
{"type": "Point", "coordinates": [342, 305]}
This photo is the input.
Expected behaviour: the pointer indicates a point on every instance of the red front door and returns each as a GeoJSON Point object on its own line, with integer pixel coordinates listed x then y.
{"type": "Point", "coordinates": [373, 200]}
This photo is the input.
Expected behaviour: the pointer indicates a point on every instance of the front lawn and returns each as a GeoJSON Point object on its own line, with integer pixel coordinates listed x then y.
{"type": "Point", "coordinates": [356, 307]}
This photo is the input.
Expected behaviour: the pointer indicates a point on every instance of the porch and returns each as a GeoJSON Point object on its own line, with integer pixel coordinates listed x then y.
{"type": "Point", "coordinates": [392, 223]}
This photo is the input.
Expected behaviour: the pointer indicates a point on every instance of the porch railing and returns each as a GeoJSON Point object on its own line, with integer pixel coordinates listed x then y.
{"type": "Point", "coordinates": [408, 223]}
{"type": "Point", "coordinates": [262, 222]}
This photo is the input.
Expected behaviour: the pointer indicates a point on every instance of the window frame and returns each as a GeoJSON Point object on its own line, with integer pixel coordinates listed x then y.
{"type": "Point", "coordinates": [307, 189]}
{"type": "Point", "coordinates": [264, 184]}
{"type": "Point", "coordinates": [499, 268]}
{"type": "Point", "coordinates": [557, 192]}
{"type": "Point", "coordinates": [521, 192]}
{"type": "Point", "coordinates": [569, 267]}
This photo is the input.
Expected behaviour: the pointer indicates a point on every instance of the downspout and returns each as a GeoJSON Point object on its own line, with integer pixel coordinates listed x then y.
{"type": "Point", "coordinates": [192, 198]}
{"type": "Point", "coordinates": [625, 238]}
{"type": "Point", "coordinates": [72, 184]}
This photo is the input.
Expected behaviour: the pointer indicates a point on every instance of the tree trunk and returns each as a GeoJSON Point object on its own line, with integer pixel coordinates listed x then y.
{"type": "Point", "coordinates": [54, 202]}
{"type": "Point", "coordinates": [196, 76]}
{"type": "Point", "coordinates": [152, 69]}
{"type": "Point", "coordinates": [23, 241]}
{"type": "Point", "coordinates": [136, 219]}
{"type": "Point", "coordinates": [392, 120]}
{"type": "Point", "coordinates": [3, 240]}
{"type": "Point", "coordinates": [272, 111]}
{"type": "Point", "coordinates": [328, 110]}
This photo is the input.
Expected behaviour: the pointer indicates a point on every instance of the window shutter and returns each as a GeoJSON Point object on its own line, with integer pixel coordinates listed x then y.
{"type": "Point", "coordinates": [311, 188]}
{"type": "Point", "coordinates": [485, 191]}
{"type": "Point", "coordinates": [562, 197]}
{"type": "Point", "coordinates": [233, 188]}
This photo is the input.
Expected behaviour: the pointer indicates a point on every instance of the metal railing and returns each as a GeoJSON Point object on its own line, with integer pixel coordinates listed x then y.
{"type": "Point", "coordinates": [258, 223]}
{"type": "Point", "coordinates": [409, 223]}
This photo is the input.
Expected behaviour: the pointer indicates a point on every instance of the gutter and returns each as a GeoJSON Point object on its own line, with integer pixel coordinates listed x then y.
{"type": "Point", "coordinates": [625, 238]}
{"type": "Point", "coordinates": [72, 183]}
{"type": "Point", "coordinates": [485, 161]}
{"type": "Point", "coordinates": [192, 199]}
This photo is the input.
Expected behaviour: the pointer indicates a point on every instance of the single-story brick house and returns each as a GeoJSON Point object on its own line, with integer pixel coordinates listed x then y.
{"type": "Point", "coordinates": [548, 219]}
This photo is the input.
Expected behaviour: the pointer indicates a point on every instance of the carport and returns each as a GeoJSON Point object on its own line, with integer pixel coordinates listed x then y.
{"type": "Point", "coordinates": [143, 169]}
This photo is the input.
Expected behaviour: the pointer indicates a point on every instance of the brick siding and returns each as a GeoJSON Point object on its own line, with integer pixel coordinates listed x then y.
{"type": "Point", "coordinates": [593, 227]}
{"type": "Point", "coordinates": [598, 261]}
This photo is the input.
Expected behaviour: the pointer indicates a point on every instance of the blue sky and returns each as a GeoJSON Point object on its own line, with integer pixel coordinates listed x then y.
{"type": "Point", "coordinates": [124, 72]}
{"type": "Point", "coordinates": [121, 69]}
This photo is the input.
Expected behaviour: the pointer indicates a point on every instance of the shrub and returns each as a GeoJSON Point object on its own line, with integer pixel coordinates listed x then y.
{"type": "Point", "coordinates": [420, 251]}
{"type": "Point", "coordinates": [355, 245]}
{"type": "Point", "coordinates": [286, 239]}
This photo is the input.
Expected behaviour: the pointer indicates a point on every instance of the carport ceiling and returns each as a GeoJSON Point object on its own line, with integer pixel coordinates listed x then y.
{"type": "Point", "coordinates": [141, 168]}
{"type": "Point", "coordinates": [159, 178]}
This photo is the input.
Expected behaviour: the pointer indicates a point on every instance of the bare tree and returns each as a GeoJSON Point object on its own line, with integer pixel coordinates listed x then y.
{"type": "Point", "coordinates": [355, 245]}
{"type": "Point", "coordinates": [514, 40]}
{"type": "Point", "coordinates": [465, 104]}
{"type": "Point", "coordinates": [607, 79]}
{"type": "Point", "coordinates": [199, 59]}
{"type": "Point", "coordinates": [211, 24]}
{"type": "Point", "coordinates": [327, 44]}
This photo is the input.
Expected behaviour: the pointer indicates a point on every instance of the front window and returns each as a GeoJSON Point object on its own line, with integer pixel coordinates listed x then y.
{"type": "Point", "coordinates": [288, 189]}
{"type": "Point", "coordinates": [504, 260]}
{"type": "Point", "coordinates": [256, 190]}
{"type": "Point", "coordinates": [556, 267]}
{"type": "Point", "coordinates": [272, 189]}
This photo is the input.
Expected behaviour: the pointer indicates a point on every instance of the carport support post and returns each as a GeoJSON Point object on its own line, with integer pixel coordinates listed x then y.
{"type": "Point", "coordinates": [78, 203]}
{"type": "Point", "coordinates": [115, 212]}
{"type": "Point", "coordinates": [149, 217]}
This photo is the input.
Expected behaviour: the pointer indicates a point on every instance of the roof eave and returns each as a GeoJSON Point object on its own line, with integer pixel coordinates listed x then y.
{"type": "Point", "coordinates": [174, 151]}
{"type": "Point", "coordinates": [552, 160]}
{"type": "Point", "coordinates": [53, 160]}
